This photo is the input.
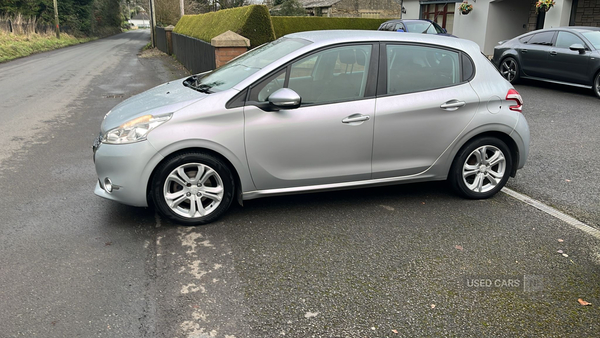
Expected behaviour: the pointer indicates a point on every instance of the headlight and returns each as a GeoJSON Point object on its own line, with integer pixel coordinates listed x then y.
{"type": "Point", "coordinates": [135, 130]}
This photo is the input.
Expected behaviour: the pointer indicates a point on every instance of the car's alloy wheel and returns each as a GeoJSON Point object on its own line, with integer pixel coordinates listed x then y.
{"type": "Point", "coordinates": [509, 69]}
{"type": "Point", "coordinates": [597, 85]}
{"type": "Point", "coordinates": [193, 188]}
{"type": "Point", "coordinates": [481, 168]}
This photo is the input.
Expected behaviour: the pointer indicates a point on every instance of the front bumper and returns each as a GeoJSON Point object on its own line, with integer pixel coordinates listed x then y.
{"type": "Point", "coordinates": [129, 167]}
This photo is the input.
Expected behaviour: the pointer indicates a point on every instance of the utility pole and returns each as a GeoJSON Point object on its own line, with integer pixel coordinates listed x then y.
{"type": "Point", "coordinates": [56, 20]}
{"type": "Point", "coordinates": [152, 23]}
{"type": "Point", "coordinates": [181, 7]}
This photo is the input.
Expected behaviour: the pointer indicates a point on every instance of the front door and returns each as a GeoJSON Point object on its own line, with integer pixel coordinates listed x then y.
{"type": "Point", "coordinates": [569, 65]}
{"type": "Point", "coordinates": [329, 138]}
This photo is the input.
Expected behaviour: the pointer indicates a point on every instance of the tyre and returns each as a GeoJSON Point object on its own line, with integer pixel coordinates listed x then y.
{"type": "Point", "coordinates": [481, 168]}
{"type": "Point", "coordinates": [510, 70]}
{"type": "Point", "coordinates": [596, 85]}
{"type": "Point", "coordinates": [193, 188]}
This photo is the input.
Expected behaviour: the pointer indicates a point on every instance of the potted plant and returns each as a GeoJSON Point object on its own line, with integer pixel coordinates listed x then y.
{"type": "Point", "coordinates": [544, 5]}
{"type": "Point", "coordinates": [465, 8]}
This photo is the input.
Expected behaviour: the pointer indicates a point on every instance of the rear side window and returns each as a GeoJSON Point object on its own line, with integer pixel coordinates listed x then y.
{"type": "Point", "coordinates": [468, 70]}
{"type": "Point", "coordinates": [544, 39]}
{"type": "Point", "coordinates": [525, 39]}
{"type": "Point", "coordinates": [418, 68]}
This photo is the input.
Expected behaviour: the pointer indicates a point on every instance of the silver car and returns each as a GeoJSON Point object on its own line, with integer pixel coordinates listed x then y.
{"type": "Point", "coordinates": [315, 111]}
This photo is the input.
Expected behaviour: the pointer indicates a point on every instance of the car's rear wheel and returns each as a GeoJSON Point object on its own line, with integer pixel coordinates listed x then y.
{"type": "Point", "coordinates": [596, 86]}
{"type": "Point", "coordinates": [481, 168]}
{"type": "Point", "coordinates": [193, 188]}
{"type": "Point", "coordinates": [509, 69]}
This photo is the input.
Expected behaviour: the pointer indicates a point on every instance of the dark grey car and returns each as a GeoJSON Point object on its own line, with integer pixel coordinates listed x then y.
{"type": "Point", "coordinates": [565, 55]}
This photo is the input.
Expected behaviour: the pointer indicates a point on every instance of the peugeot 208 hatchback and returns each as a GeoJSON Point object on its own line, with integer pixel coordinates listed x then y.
{"type": "Point", "coordinates": [315, 111]}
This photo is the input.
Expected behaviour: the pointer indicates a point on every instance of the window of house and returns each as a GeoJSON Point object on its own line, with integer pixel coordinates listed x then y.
{"type": "Point", "coordinates": [418, 68]}
{"type": "Point", "coordinates": [440, 13]}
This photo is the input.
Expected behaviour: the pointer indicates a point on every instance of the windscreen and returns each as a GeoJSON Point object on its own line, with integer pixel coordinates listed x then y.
{"type": "Point", "coordinates": [249, 63]}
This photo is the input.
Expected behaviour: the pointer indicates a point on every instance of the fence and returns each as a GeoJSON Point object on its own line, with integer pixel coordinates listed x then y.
{"type": "Point", "coordinates": [161, 39]}
{"type": "Point", "coordinates": [196, 55]}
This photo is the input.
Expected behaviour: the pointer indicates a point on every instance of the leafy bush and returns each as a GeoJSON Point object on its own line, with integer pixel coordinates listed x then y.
{"type": "Point", "coordinates": [291, 24]}
{"type": "Point", "coordinates": [252, 22]}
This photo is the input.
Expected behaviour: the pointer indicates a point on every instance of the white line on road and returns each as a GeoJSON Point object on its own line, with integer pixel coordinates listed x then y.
{"type": "Point", "coordinates": [553, 212]}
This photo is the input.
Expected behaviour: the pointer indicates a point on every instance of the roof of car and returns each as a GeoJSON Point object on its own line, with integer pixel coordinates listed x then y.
{"type": "Point", "coordinates": [341, 36]}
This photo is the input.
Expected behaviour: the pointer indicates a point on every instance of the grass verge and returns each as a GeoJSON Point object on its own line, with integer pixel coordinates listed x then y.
{"type": "Point", "coordinates": [16, 46]}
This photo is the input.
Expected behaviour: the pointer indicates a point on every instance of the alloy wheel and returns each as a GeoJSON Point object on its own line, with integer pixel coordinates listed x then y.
{"type": "Point", "coordinates": [508, 69]}
{"type": "Point", "coordinates": [193, 190]}
{"type": "Point", "coordinates": [484, 169]}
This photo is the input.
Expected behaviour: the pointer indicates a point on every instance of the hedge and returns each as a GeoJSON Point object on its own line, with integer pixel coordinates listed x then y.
{"type": "Point", "coordinates": [252, 22]}
{"type": "Point", "coordinates": [291, 24]}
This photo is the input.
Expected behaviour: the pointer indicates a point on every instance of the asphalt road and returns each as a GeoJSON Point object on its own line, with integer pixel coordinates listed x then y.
{"type": "Point", "coordinates": [358, 263]}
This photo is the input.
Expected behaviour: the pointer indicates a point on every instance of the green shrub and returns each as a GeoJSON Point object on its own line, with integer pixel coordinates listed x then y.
{"type": "Point", "coordinates": [252, 22]}
{"type": "Point", "coordinates": [291, 24]}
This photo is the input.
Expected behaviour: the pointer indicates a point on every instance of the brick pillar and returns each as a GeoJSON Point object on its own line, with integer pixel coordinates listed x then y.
{"type": "Point", "coordinates": [168, 33]}
{"type": "Point", "coordinates": [228, 46]}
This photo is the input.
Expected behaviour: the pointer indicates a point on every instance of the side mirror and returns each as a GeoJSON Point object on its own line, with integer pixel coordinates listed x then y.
{"type": "Point", "coordinates": [285, 98]}
{"type": "Point", "coordinates": [578, 47]}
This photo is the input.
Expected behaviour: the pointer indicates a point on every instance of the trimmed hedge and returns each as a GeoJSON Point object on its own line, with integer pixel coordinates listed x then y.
{"type": "Point", "coordinates": [291, 24]}
{"type": "Point", "coordinates": [252, 22]}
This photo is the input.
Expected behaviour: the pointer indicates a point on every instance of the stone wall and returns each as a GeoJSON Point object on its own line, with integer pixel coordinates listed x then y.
{"type": "Point", "coordinates": [588, 13]}
{"type": "Point", "coordinates": [366, 8]}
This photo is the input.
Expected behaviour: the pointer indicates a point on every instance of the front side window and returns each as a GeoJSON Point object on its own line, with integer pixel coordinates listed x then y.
{"type": "Point", "coordinates": [416, 68]}
{"type": "Point", "coordinates": [333, 75]}
{"type": "Point", "coordinates": [566, 39]}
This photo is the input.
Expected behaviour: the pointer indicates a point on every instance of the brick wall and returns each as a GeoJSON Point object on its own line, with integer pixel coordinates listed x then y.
{"type": "Point", "coordinates": [588, 13]}
{"type": "Point", "coordinates": [226, 54]}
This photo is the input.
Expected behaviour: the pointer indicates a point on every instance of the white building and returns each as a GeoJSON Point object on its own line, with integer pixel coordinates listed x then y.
{"type": "Point", "coordinates": [496, 20]}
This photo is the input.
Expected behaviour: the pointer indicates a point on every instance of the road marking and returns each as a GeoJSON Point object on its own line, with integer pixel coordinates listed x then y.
{"type": "Point", "coordinates": [553, 212]}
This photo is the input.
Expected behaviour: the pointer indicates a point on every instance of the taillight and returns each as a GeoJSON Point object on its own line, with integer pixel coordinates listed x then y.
{"type": "Point", "coordinates": [514, 95]}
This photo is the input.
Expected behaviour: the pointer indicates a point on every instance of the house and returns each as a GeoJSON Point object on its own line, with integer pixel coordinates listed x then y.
{"type": "Point", "coordinates": [492, 21]}
{"type": "Point", "coordinates": [141, 20]}
{"type": "Point", "coordinates": [353, 8]}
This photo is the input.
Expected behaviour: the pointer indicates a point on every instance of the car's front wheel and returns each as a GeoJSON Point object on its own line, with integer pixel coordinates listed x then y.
{"type": "Point", "coordinates": [509, 69]}
{"type": "Point", "coordinates": [193, 188]}
{"type": "Point", "coordinates": [481, 168]}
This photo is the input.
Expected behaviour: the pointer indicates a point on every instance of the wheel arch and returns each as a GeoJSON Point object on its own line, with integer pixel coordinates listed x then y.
{"type": "Point", "coordinates": [230, 166]}
{"type": "Point", "coordinates": [509, 141]}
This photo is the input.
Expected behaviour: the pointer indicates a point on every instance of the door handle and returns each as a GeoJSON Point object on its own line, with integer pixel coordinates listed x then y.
{"type": "Point", "coordinates": [553, 53]}
{"type": "Point", "coordinates": [523, 51]}
{"type": "Point", "coordinates": [356, 118]}
{"type": "Point", "coordinates": [453, 105]}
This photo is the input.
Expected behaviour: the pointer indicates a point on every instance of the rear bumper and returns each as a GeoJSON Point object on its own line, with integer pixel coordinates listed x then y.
{"type": "Point", "coordinates": [522, 138]}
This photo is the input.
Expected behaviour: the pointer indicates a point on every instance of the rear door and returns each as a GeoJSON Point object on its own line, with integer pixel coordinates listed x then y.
{"type": "Point", "coordinates": [536, 53]}
{"type": "Point", "coordinates": [424, 103]}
